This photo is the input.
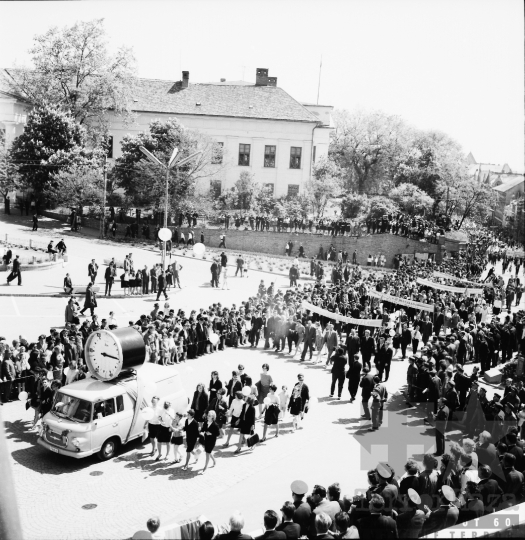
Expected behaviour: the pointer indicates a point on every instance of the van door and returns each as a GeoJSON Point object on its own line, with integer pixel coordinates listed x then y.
{"type": "Point", "coordinates": [125, 408]}
{"type": "Point", "coordinates": [106, 422]}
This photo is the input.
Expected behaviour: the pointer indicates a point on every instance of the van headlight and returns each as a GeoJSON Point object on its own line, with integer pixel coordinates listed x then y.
{"type": "Point", "coordinates": [43, 428]}
{"type": "Point", "coordinates": [75, 441]}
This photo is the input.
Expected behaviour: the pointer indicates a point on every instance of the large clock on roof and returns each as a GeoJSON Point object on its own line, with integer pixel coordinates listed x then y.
{"type": "Point", "coordinates": [108, 352]}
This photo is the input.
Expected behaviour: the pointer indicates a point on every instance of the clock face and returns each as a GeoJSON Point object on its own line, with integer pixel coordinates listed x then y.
{"type": "Point", "coordinates": [103, 354]}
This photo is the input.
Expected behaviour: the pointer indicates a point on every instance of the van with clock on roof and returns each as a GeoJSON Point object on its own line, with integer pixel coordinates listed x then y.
{"type": "Point", "coordinates": [111, 406]}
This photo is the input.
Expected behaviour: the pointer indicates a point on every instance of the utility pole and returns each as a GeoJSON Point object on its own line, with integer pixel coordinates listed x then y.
{"type": "Point", "coordinates": [319, 83]}
{"type": "Point", "coordinates": [103, 215]}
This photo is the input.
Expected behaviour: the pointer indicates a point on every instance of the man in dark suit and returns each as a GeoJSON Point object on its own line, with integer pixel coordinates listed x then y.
{"type": "Point", "coordinates": [354, 374]}
{"type": "Point", "coordinates": [236, 523]}
{"type": "Point", "coordinates": [377, 525]}
{"type": "Point", "coordinates": [513, 483]}
{"type": "Point", "coordinates": [383, 358]}
{"type": "Point", "coordinates": [234, 385]}
{"type": "Point", "coordinates": [92, 270]}
{"type": "Point", "coordinates": [338, 372]}
{"type": "Point", "coordinates": [287, 526]}
{"type": "Point", "coordinates": [352, 343]}
{"type": "Point", "coordinates": [15, 272]}
{"type": "Point", "coordinates": [368, 347]}
{"type": "Point", "coordinates": [367, 385]}
{"type": "Point", "coordinates": [441, 426]}
{"type": "Point", "coordinates": [109, 276]}
{"type": "Point", "coordinates": [309, 340]}
{"type": "Point", "coordinates": [270, 522]}
{"type": "Point", "coordinates": [490, 490]}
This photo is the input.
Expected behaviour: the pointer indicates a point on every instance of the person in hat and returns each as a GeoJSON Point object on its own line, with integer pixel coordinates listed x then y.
{"type": "Point", "coordinates": [303, 510]}
{"type": "Point", "coordinates": [410, 523]}
{"type": "Point", "coordinates": [446, 515]}
{"type": "Point", "coordinates": [442, 417]}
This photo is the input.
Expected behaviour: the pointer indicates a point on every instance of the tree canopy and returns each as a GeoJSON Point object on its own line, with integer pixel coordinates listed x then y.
{"type": "Point", "coordinates": [74, 70]}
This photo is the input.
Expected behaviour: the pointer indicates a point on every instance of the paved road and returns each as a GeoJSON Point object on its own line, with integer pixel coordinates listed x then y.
{"type": "Point", "coordinates": [53, 490]}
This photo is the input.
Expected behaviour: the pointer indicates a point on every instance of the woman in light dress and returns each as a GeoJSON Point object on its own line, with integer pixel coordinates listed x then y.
{"type": "Point", "coordinates": [271, 411]}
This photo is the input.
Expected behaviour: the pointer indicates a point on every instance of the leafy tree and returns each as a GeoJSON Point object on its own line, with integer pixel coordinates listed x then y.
{"type": "Point", "coordinates": [379, 206]}
{"type": "Point", "coordinates": [144, 182]}
{"type": "Point", "coordinates": [411, 199]}
{"type": "Point", "coordinates": [469, 198]}
{"type": "Point", "coordinates": [263, 200]}
{"type": "Point", "coordinates": [52, 140]}
{"type": "Point", "coordinates": [365, 145]}
{"type": "Point", "coordinates": [324, 185]}
{"type": "Point", "coordinates": [296, 207]}
{"type": "Point", "coordinates": [77, 186]}
{"type": "Point", "coordinates": [354, 205]}
{"type": "Point", "coordinates": [9, 178]}
{"type": "Point", "coordinates": [74, 70]}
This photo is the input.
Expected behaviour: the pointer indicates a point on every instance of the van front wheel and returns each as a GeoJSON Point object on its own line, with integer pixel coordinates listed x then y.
{"type": "Point", "coordinates": [108, 450]}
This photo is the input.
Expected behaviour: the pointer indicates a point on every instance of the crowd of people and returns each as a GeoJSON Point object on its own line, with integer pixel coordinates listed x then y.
{"type": "Point", "coordinates": [306, 320]}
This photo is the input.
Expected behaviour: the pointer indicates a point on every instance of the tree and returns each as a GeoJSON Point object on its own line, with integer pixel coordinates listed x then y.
{"type": "Point", "coordinates": [354, 205]}
{"type": "Point", "coordinates": [411, 199]}
{"type": "Point", "coordinates": [144, 182]}
{"type": "Point", "coordinates": [324, 184]}
{"type": "Point", "coordinates": [365, 145]}
{"type": "Point", "coordinates": [9, 178]}
{"type": "Point", "coordinates": [74, 70]}
{"type": "Point", "coordinates": [379, 206]}
{"type": "Point", "coordinates": [77, 186]}
{"type": "Point", "coordinates": [469, 198]}
{"type": "Point", "coordinates": [52, 140]}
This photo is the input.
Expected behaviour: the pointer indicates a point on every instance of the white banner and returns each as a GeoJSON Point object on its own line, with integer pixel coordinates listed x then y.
{"type": "Point", "coordinates": [448, 288]}
{"type": "Point", "coordinates": [437, 274]}
{"type": "Point", "coordinates": [401, 301]}
{"type": "Point", "coordinates": [325, 313]}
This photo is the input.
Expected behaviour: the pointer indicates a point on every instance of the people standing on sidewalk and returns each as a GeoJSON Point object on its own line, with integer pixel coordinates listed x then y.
{"type": "Point", "coordinates": [177, 268]}
{"type": "Point", "coordinates": [90, 300]}
{"type": "Point", "coordinates": [162, 285]}
{"type": "Point", "coordinates": [145, 280]}
{"type": "Point", "coordinates": [109, 276]}
{"type": "Point", "coordinates": [92, 271]}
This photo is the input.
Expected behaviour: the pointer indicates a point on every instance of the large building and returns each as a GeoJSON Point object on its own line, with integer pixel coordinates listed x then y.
{"type": "Point", "coordinates": [261, 128]}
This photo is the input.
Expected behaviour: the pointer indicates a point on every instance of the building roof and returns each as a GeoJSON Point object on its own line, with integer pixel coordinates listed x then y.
{"type": "Point", "coordinates": [215, 99]}
{"type": "Point", "coordinates": [512, 182]}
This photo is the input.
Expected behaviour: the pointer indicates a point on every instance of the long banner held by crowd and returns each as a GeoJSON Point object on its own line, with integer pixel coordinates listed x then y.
{"type": "Point", "coordinates": [448, 288]}
{"type": "Point", "coordinates": [401, 301]}
{"type": "Point", "coordinates": [444, 275]}
{"type": "Point", "coordinates": [338, 317]}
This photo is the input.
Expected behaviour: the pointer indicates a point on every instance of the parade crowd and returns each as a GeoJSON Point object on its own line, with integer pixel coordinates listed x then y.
{"type": "Point", "coordinates": [480, 473]}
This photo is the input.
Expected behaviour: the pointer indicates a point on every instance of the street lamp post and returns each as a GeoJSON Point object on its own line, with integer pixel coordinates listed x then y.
{"type": "Point", "coordinates": [173, 162]}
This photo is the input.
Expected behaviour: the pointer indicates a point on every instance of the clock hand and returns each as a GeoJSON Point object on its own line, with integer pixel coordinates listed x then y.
{"type": "Point", "coordinates": [110, 356]}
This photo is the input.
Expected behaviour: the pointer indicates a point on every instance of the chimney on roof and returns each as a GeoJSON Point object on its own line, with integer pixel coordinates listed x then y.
{"type": "Point", "coordinates": [261, 77]}
{"type": "Point", "coordinates": [185, 79]}
{"type": "Point", "coordinates": [223, 80]}
{"type": "Point", "coordinates": [272, 81]}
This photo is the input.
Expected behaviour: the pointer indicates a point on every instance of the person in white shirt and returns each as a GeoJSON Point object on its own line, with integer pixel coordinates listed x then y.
{"type": "Point", "coordinates": [112, 321]}
{"type": "Point", "coordinates": [154, 425]}
{"type": "Point", "coordinates": [225, 278]}
{"type": "Point", "coordinates": [166, 416]}
{"type": "Point", "coordinates": [234, 412]}
{"type": "Point", "coordinates": [72, 373]}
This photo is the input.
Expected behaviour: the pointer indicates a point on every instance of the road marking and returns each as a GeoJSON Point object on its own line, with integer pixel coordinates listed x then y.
{"type": "Point", "coordinates": [119, 306]}
{"type": "Point", "coordinates": [15, 306]}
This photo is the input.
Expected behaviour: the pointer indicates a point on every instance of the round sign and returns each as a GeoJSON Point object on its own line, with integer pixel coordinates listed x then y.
{"type": "Point", "coordinates": [165, 235]}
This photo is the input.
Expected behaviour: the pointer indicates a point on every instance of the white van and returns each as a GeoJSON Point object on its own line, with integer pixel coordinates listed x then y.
{"type": "Point", "coordinates": [92, 416]}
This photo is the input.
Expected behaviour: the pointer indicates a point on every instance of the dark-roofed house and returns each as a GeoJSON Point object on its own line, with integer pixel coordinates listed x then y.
{"type": "Point", "coordinates": [508, 192]}
{"type": "Point", "coordinates": [261, 128]}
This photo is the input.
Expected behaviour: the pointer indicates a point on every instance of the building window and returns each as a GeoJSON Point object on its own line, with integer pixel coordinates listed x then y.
{"type": "Point", "coordinates": [216, 188]}
{"type": "Point", "coordinates": [313, 154]}
{"type": "Point", "coordinates": [295, 157]}
{"type": "Point", "coordinates": [293, 190]}
{"type": "Point", "coordinates": [269, 156]}
{"type": "Point", "coordinates": [244, 154]}
{"type": "Point", "coordinates": [269, 188]}
{"type": "Point", "coordinates": [217, 153]}
{"type": "Point", "coordinates": [109, 146]}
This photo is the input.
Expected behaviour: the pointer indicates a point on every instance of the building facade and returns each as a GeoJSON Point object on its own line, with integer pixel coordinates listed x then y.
{"type": "Point", "coordinates": [260, 127]}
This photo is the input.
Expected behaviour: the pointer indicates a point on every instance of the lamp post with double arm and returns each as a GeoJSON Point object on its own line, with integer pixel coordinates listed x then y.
{"type": "Point", "coordinates": [174, 161]}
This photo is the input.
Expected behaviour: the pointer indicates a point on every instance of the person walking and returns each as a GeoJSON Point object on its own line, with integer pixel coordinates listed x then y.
{"type": "Point", "coordinates": [338, 372]}
{"type": "Point", "coordinates": [214, 268]}
{"type": "Point", "coordinates": [176, 274]}
{"type": "Point", "coordinates": [222, 243]}
{"type": "Point", "coordinates": [353, 375]}
{"type": "Point", "coordinates": [208, 437]}
{"type": "Point", "coordinates": [153, 279]}
{"type": "Point", "coordinates": [246, 422]}
{"type": "Point", "coordinates": [295, 406]}
{"type": "Point", "coordinates": [240, 265]}
{"type": "Point", "coordinates": [35, 222]}
{"type": "Point", "coordinates": [15, 272]}
{"type": "Point", "coordinates": [271, 412]}
{"type": "Point", "coordinates": [166, 417]}
{"type": "Point", "coordinates": [162, 285]}
{"type": "Point", "coordinates": [225, 278]}
{"type": "Point", "coordinates": [309, 340]}
{"type": "Point", "coordinates": [90, 300]}
{"type": "Point", "coordinates": [92, 271]}
{"type": "Point", "coordinates": [192, 435]}
{"type": "Point", "coordinates": [441, 426]}
{"type": "Point", "coordinates": [367, 385]}
{"type": "Point", "coordinates": [263, 386]}
{"type": "Point", "coordinates": [153, 426]}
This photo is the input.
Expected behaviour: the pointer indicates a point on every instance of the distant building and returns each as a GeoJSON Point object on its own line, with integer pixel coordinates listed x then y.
{"type": "Point", "coordinates": [509, 193]}
{"type": "Point", "coordinates": [261, 128]}
{"type": "Point", "coordinates": [487, 173]}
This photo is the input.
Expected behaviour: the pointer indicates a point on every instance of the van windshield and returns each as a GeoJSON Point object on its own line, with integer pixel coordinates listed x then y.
{"type": "Point", "coordinates": [78, 410]}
